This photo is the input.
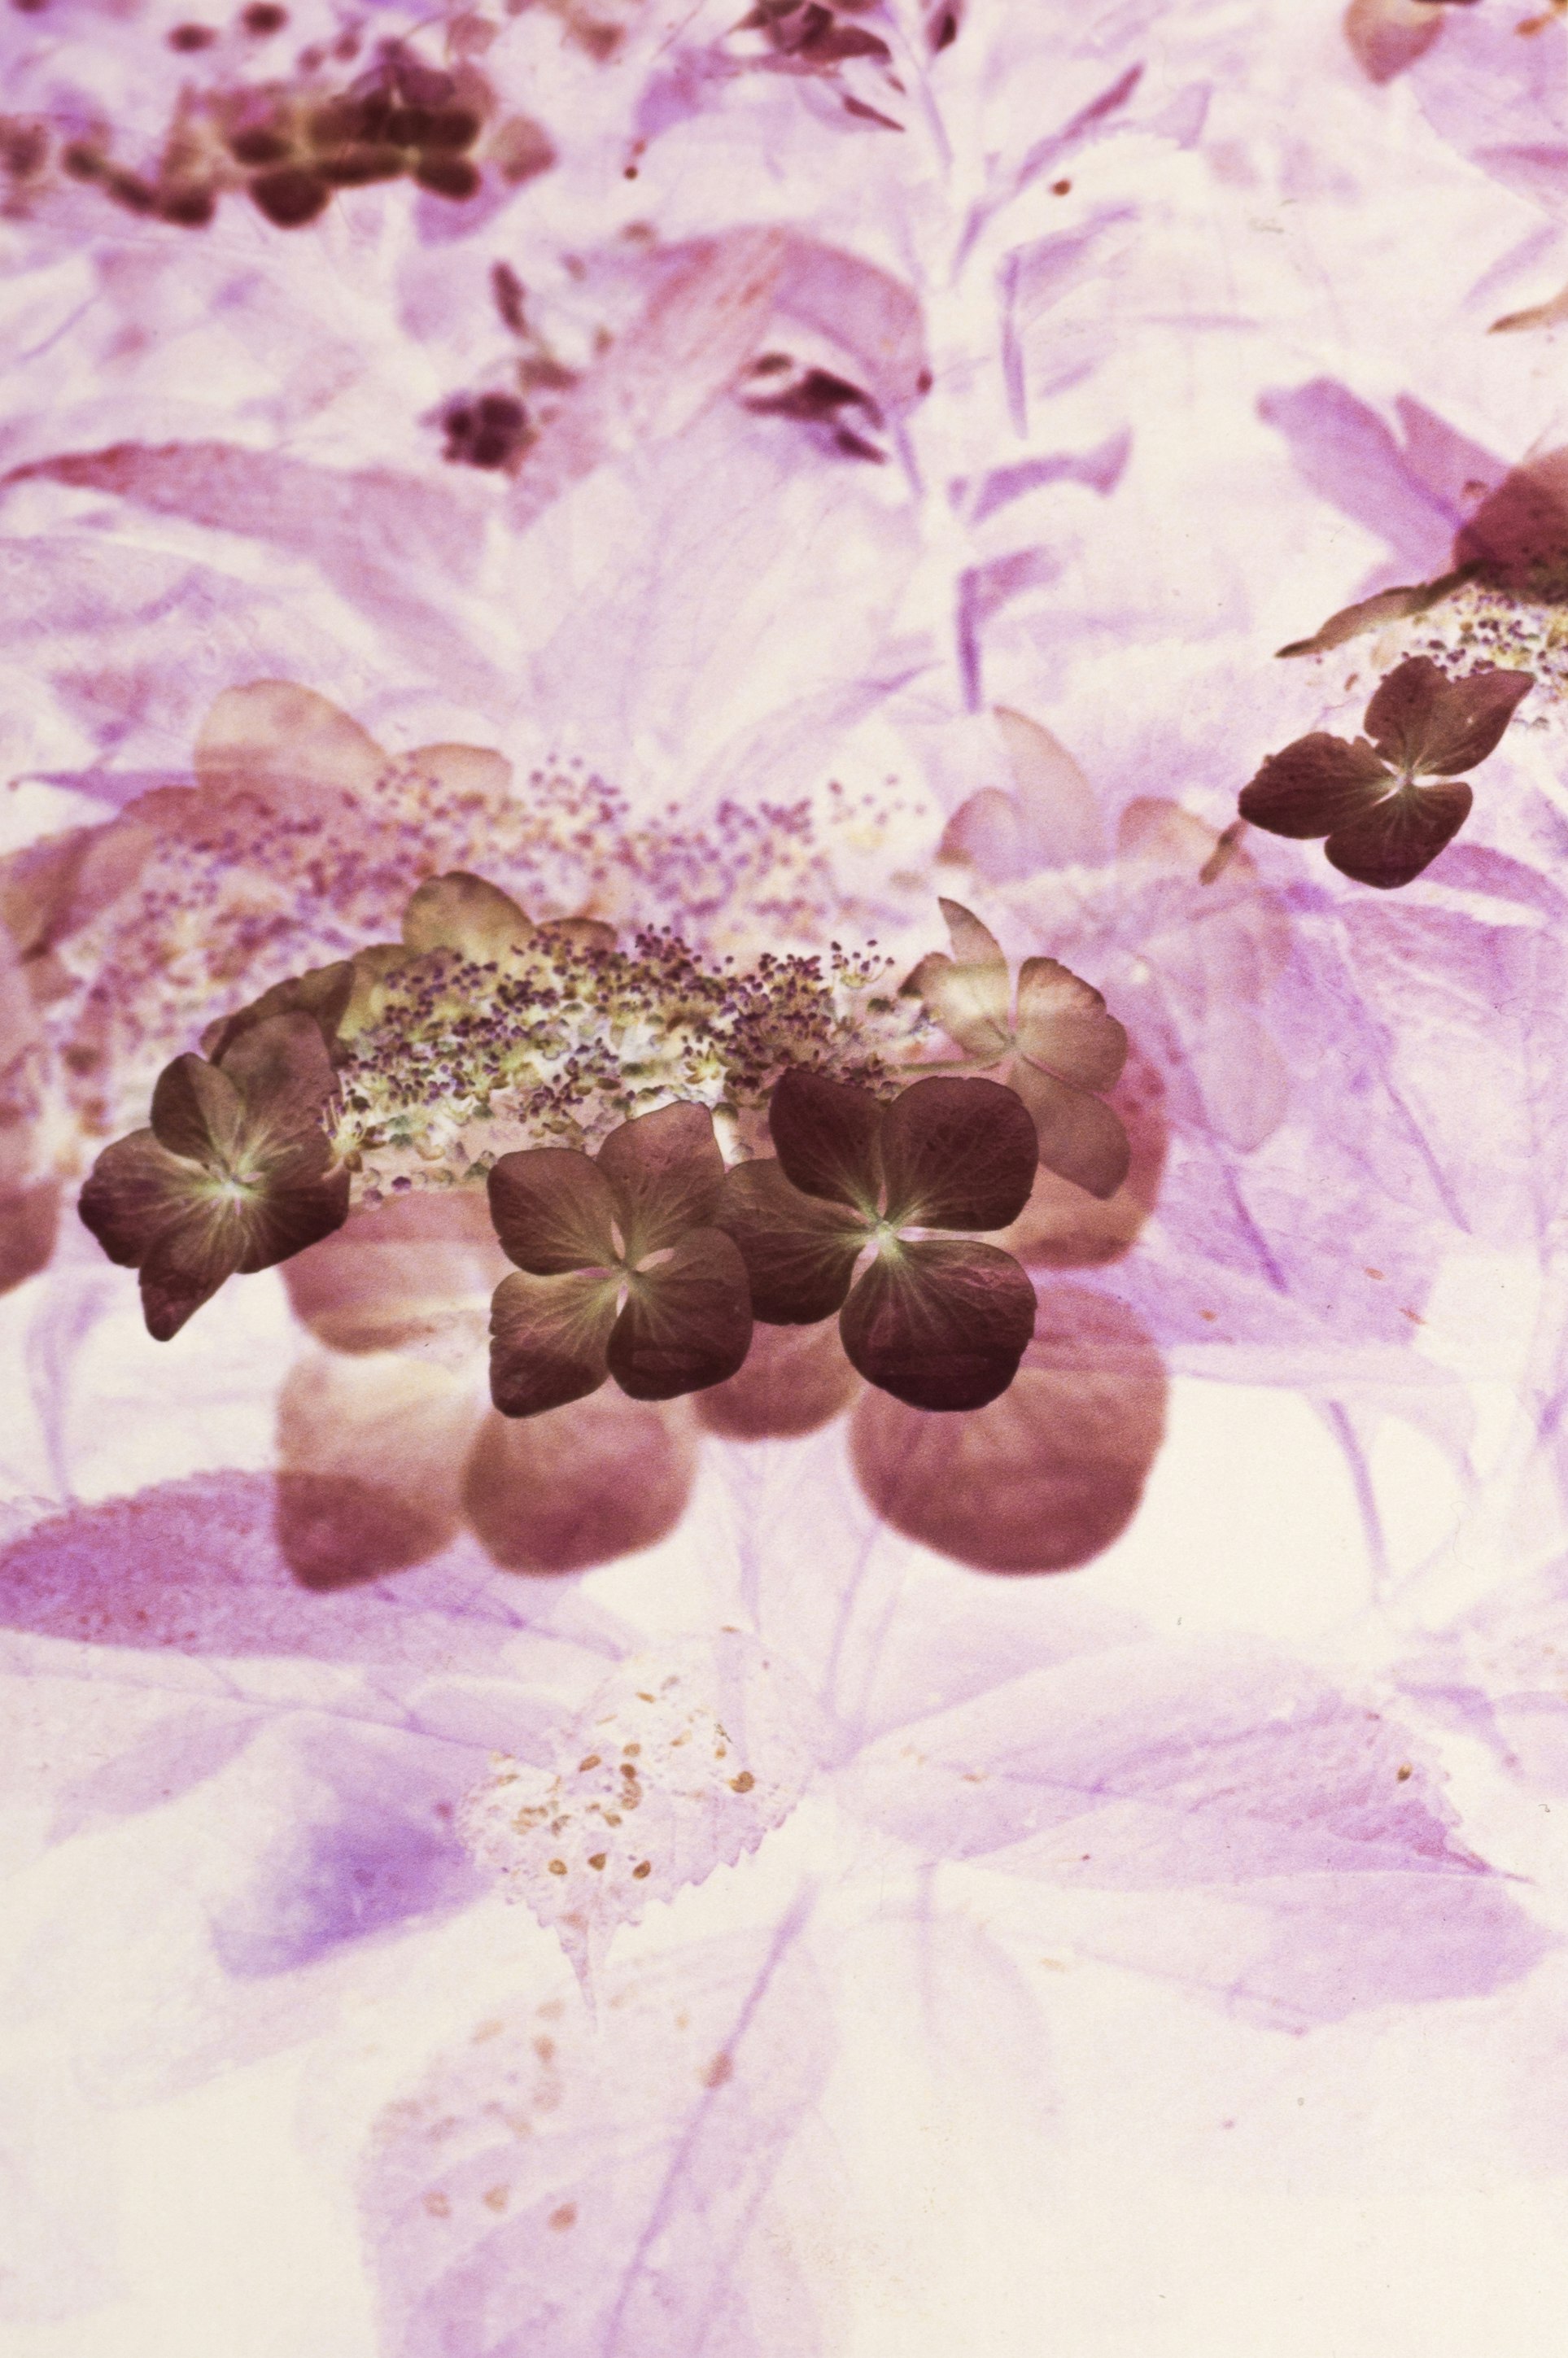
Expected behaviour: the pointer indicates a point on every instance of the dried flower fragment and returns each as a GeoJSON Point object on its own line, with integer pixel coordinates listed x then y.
{"type": "Point", "coordinates": [1386, 803]}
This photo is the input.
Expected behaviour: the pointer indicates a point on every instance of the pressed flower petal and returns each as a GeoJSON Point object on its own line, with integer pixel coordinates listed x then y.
{"type": "Point", "coordinates": [323, 993]}
{"type": "Point", "coordinates": [941, 1324]}
{"type": "Point", "coordinates": [371, 1459]}
{"type": "Point", "coordinates": [1422, 720]}
{"type": "Point", "coordinates": [281, 741]}
{"type": "Point", "coordinates": [198, 1112]}
{"type": "Point", "coordinates": [1044, 1478]}
{"type": "Point", "coordinates": [794, 1379]}
{"type": "Point", "coordinates": [283, 1071]}
{"type": "Point", "coordinates": [185, 1266]}
{"type": "Point", "coordinates": [1078, 1136]}
{"type": "Point", "coordinates": [462, 913]}
{"type": "Point", "coordinates": [580, 1485]}
{"type": "Point", "coordinates": [1401, 835]}
{"type": "Point", "coordinates": [956, 1154]}
{"type": "Point", "coordinates": [135, 1189]}
{"type": "Point", "coordinates": [667, 1171]}
{"type": "Point", "coordinates": [1063, 1025]}
{"type": "Point", "coordinates": [1062, 1225]}
{"type": "Point", "coordinates": [552, 1208]}
{"type": "Point", "coordinates": [825, 1133]}
{"type": "Point", "coordinates": [301, 1202]}
{"type": "Point", "coordinates": [687, 1322]}
{"type": "Point", "coordinates": [1313, 787]}
{"type": "Point", "coordinates": [799, 1251]}
{"type": "Point", "coordinates": [970, 1002]}
{"type": "Point", "coordinates": [547, 1339]}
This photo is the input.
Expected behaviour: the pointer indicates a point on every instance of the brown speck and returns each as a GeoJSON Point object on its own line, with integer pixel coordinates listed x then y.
{"type": "Point", "coordinates": [591, 1760]}
{"type": "Point", "coordinates": [632, 1750]}
{"type": "Point", "coordinates": [491, 2029]}
{"type": "Point", "coordinates": [1374, 1273]}
{"type": "Point", "coordinates": [185, 37]}
{"type": "Point", "coordinates": [438, 2206]}
{"type": "Point", "coordinates": [743, 1782]}
{"type": "Point", "coordinates": [543, 2047]}
{"type": "Point", "coordinates": [557, 1866]}
{"type": "Point", "coordinates": [497, 2197]}
{"type": "Point", "coordinates": [718, 2071]}
{"type": "Point", "coordinates": [599, 1858]}
{"type": "Point", "coordinates": [263, 18]}
{"type": "Point", "coordinates": [1404, 1772]}
{"type": "Point", "coordinates": [639, 1872]}
{"type": "Point", "coordinates": [565, 2217]}
{"type": "Point", "coordinates": [1061, 188]}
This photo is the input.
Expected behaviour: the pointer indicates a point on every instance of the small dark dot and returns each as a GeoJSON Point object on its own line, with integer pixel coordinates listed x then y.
{"type": "Point", "coordinates": [192, 36]}
{"type": "Point", "coordinates": [289, 197]}
{"type": "Point", "coordinates": [264, 18]}
{"type": "Point", "coordinates": [1061, 188]}
{"type": "Point", "coordinates": [630, 173]}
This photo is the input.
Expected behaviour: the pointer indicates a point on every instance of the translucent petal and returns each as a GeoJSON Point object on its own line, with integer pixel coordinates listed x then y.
{"type": "Point", "coordinates": [941, 1325]}
{"type": "Point", "coordinates": [580, 1485]}
{"type": "Point", "coordinates": [552, 1208]}
{"type": "Point", "coordinates": [548, 1337]}
{"type": "Point", "coordinates": [956, 1154]}
{"type": "Point", "coordinates": [687, 1322]}
{"type": "Point", "coordinates": [1063, 1025]}
{"type": "Point", "coordinates": [799, 1251]}
{"type": "Point", "coordinates": [667, 1171]}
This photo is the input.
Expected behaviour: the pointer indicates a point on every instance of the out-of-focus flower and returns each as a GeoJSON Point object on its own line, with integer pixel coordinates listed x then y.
{"type": "Point", "coordinates": [1388, 806]}
{"type": "Point", "coordinates": [622, 1268]}
{"type": "Point", "coordinates": [236, 1172]}
{"type": "Point", "coordinates": [938, 1324]}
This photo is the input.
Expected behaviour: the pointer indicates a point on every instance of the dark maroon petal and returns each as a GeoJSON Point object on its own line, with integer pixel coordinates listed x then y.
{"type": "Point", "coordinates": [299, 1205]}
{"type": "Point", "coordinates": [940, 1325]}
{"type": "Point", "coordinates": [553, 1208]}
{"type": "Point", "coordinates": [1422, 721]}
{"type": "Point", "coordinates": [667, 1171]}
{"type": "Point", "coordinates": [825, 1133]}
{"type": "Point", "coordinates": [794, 1379]}
{"type": "Point", "coordinates": [198, 1112]}
{"type": "Point", "coordinates": [799, 1251]}
{"type": "Point", "coordinates": [1078, 1136]}
{"type": "Point", "coordinates": [1314, 785]}
{"type": "Point", "coordinates": [371, 1459]}
{"type": "Point", "coordinates": [135, 1191]}
{"type": "Point", "coordinates": [282, 1069]}
{"type": "Point", "coordinates": [580, 1486]}
{"type": "Point", "coordinates": [323, 993]}
{"type": "Point", "coordinates": [414, 1274]}
{"type": "Point", "coordinates": [186, 1265]}
{"type": "Point", "coordinates": [687, 1322]}
{"type": "Point", "coordinates": [462, 913]}
{"type": "Point", "coordinates": [957, 1154]}
{"type": "Point", "coordinates": [1403, 835]}
{"type": "Point", "coordinates": [547, 1339]}
{"type": "Point", "coordinates": [1044, 1478]}
{"type": "Point", "coordinates": [1063, 1025]}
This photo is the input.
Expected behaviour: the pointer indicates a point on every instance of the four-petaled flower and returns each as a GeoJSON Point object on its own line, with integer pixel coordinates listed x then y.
{"type": "Point", "coordinates": [1388, 806]}
{"type": "Point", "coordinates": [622, 1270]}
{"type": "Point", "coordinates": [939, 1323]}
{"type": "Point", "coordinates": [235, 1173]}
{"type": "Point", "coordinates": [1057, 1051]}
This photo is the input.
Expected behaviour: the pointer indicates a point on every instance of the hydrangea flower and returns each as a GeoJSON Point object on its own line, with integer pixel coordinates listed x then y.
{"type": "Point", "coordinates": [235, 1173]}
{"type": "Point", "coordinates": [936, 1323]}
{"type": "Point", "coordinates": [1388, 806]}
{"type": "Point", "coordinates": [622, 1268]}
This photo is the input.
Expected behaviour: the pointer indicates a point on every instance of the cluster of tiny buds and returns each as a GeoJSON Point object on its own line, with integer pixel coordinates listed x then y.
{"type": "Point", "coordinates": [564, 1037]}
